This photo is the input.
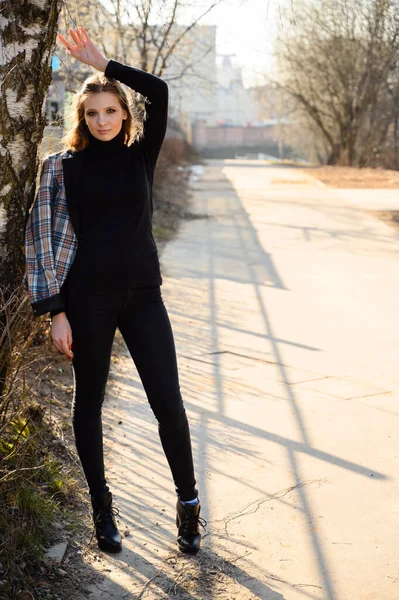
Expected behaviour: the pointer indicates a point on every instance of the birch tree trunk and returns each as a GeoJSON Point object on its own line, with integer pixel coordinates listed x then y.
{"type": "Point", "coordinates": [27, 42]}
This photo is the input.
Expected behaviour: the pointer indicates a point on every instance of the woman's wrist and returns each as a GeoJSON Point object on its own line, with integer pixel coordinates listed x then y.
{"type": "Point", "coordinates": [61, 314]}
{"type": "Point", "coordinates": [101, 65]}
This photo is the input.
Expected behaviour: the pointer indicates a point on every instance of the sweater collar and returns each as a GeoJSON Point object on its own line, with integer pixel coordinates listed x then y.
{"type": "Point", "coordinates": [102, 148]}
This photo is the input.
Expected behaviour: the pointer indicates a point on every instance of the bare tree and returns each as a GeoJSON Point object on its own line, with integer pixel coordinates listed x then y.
{"type": "Point", "coordinates": [146, 33]}
{"type": "Point", "coordinates": [336, 61]}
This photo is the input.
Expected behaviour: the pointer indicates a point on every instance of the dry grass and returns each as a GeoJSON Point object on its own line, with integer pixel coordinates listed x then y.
{"type": "Point", "coordinates": [354, 178]}
{"type": "Point", "coordinates": [351, 177]}
{"type": "Point", "coordinates": [38, 477]}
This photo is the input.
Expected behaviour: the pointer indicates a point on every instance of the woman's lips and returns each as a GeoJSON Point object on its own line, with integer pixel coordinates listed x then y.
{"type": "Point", "coordinates": [103, 130]}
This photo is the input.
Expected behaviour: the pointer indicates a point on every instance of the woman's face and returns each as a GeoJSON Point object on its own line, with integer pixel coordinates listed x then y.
{"type": "Point", "coordinates": [103, 114]}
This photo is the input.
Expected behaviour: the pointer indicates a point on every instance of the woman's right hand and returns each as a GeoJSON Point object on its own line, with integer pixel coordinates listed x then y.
{"type": "Point", "coordinates": [62, 334]}
{"type": "Point", "coordinates": [84, 49]}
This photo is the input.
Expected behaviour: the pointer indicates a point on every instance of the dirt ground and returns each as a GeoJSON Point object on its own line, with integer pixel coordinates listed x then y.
{"type": "Point", "coordinates": [53, 391]}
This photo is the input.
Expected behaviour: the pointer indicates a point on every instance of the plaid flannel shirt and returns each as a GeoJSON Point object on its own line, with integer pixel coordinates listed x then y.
{"type": "Point", "coordinates": [50, 241]}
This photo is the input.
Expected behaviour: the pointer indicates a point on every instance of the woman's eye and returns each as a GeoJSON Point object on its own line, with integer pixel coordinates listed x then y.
{"type": "Point", "coordinates": [90, 113]}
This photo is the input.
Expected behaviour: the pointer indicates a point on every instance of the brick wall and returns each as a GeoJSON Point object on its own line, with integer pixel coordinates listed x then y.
{"type": "Point", "coordinates": [220, 137]}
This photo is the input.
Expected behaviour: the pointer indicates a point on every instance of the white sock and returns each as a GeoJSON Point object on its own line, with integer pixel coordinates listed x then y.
{"type": "Point", "coordinates": [195, 501]}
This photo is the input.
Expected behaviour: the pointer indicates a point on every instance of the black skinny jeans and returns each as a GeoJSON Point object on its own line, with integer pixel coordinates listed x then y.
{"type": "Point", "coordinates": [142, 318]}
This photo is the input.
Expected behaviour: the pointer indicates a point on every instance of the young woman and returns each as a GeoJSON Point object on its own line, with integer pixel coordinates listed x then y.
{"type": "Point", "coordinates": [92, 262]}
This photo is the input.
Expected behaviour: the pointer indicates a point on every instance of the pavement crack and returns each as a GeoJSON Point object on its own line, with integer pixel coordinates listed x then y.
{"type": "Point", "coordinates": [306, 585]}
{"type": "Point", "coordinates": [311, 380]}
{"type": "Point", "coordinates": [197, 359]}
{"type": "Point", "coordinates": [368, 395]}
{"type": "Point", "coordinates": [254, 358]}
{"type": "Point", "coordinates": [254, 506]}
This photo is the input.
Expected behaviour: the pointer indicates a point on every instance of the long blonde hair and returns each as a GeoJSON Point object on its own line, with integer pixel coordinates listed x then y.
{"type": "Point", "coordinates": [76, 137]}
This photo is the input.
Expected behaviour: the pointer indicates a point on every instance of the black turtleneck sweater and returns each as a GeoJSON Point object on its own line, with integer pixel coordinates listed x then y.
{"type": "Point", "coordinates": [116, 247]}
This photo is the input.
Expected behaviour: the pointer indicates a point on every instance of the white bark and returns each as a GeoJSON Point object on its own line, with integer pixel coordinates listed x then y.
{"type": "Point", "coordinates": [27, 43]}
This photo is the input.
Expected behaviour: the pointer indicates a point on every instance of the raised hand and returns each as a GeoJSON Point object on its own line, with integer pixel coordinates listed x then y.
{"type": "Point", "coordinates": [84, 49]}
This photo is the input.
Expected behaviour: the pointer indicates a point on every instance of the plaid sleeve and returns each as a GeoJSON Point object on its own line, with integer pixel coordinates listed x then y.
{"type": "Point", "coordinates": [44, 289]}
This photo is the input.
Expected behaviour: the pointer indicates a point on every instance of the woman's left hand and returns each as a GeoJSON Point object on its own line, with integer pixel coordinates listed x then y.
{"type": "Point", "coordinates": [84, 49]}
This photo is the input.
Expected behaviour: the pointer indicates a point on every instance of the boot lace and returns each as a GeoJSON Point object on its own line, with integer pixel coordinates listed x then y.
{"type": "Point", "coordinates": [189, 524]}
{"type": "Point", "coordinates": [107, 515]}
{"type": "Point", "coordinates": [104, 515]}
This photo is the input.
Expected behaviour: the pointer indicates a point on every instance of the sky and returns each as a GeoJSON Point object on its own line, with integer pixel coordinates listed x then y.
{"type": "Point", "coordinates": [246, 28]}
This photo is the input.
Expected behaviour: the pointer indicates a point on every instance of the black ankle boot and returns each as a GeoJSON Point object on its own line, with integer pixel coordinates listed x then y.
{"type": "Point", "coordinates": [107, 533]}
{"type": "Point", "coordinates": [188, 522]}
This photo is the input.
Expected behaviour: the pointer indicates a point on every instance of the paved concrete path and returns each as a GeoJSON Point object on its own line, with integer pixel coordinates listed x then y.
{"type": "Point", "coordinates": [283, 299]}
{"type": "Point", "coordinates": [374, 199]}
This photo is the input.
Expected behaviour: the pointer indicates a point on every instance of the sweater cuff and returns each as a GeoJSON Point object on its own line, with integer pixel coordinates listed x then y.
{"type": "Point", "coordinates": [112, 66]}
{"type": "Point", "coordinates": [54, 303]}
{"type": "Point", "coordinates": [56, 311]}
